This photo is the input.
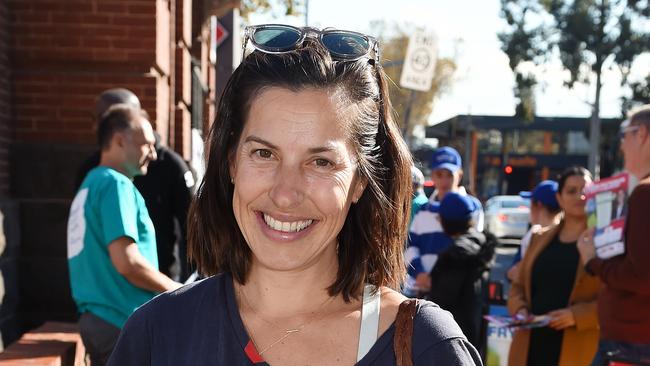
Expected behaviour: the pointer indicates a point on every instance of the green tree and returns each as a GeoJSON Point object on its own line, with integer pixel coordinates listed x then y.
{"type": "Point", "coordinates": [289, 7]}
{"type": "Point", "coordinates": [393, 41]}
{"type": "Point", "coordinates": [640, 94]}
{"type": "Point", "coordinates": [587, 35]}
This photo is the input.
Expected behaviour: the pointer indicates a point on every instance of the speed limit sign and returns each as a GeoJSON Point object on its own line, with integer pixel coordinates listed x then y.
{"type": "Point", "coordinates": [420, 62]}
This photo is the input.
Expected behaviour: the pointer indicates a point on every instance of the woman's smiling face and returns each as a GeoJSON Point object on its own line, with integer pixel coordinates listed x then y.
{"type": "Point", "coordinates": [572, 197]}
{"type": "Point", "coordinates": [295, 177]}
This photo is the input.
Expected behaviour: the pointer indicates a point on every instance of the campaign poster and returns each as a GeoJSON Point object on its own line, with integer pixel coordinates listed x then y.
{"type": "Point", "coordinates": [606, 211]}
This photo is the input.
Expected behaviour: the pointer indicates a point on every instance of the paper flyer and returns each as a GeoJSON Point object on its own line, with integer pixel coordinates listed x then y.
{"type": "Point", "coordinates": [498, 338]}
{"type": "Point", "coordinates": [606, 211]}
{"type": "Point", "coordinates": [536, 321]}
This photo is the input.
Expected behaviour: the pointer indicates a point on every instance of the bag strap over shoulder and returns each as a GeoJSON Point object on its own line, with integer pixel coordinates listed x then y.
{"type": "Point", "coordinates": [403, 338]}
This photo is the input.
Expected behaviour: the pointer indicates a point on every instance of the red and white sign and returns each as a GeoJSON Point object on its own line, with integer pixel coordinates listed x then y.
{"type": "Point", "coordinates": [220, 34]}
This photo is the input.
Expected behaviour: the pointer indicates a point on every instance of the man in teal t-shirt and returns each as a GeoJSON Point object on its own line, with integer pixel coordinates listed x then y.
{"type": "Point", "coordinates": [111, 239]}
{"type": "Point", "coordinates": [419, 198]}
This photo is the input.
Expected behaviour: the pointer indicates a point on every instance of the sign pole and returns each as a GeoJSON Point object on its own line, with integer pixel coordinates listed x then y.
{"type": "Point", "coordinates": [407, 118]}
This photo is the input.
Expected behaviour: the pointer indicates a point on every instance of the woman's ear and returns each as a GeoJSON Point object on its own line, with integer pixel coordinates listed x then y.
{"type": "Point", "coordinates": [359, 186]}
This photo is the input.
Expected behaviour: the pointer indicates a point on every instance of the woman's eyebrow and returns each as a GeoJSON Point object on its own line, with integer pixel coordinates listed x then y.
{"type": "Point", "coordinates": [260, 140]}
{"type": "Point", "coordinates": [328, 147]}
{"type": "Point", "coordinates": [321, 149]}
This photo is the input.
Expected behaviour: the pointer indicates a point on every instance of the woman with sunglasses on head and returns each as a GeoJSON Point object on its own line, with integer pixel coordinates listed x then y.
{"type": "Point", "coordinates": [551, 281]}
{"type": "Point", "coordinates": [301, 222]}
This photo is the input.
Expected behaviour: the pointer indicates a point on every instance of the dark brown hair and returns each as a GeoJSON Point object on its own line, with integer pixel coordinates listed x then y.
{"type": "Point", "coordinates": [372, 239]}
{"type": "Point", "coordinates": [571, 172]}
{"type": "Point", "coordinates": [455, 227]}
{"type": "Point", "coordinates": [117, 118]}
{"type": "Point", "coordinates": [114, 96]}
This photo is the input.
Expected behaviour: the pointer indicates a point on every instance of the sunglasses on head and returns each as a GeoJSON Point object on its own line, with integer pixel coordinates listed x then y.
{"type": "Point", "coordinates": [341, 44]}
{"type": "Point", "coordinates": [627, 127]}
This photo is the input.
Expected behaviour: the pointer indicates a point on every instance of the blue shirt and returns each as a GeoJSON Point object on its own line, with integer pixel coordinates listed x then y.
{"type": "Point", "coordinates": [107, 207]}
{"type": "Point", "coordinates": [199, 324]}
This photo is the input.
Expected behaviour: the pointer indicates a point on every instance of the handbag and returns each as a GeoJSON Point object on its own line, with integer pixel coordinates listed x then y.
{"type": "Point", "coordinates": [403, 338]}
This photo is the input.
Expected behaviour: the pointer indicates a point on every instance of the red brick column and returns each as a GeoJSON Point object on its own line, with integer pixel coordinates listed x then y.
{"type": "Point", "coordinates": [183, 92]}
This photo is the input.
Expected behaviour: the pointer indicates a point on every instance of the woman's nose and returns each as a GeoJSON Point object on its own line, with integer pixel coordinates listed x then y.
{"type": "Point", "coordinates": [288, 188]}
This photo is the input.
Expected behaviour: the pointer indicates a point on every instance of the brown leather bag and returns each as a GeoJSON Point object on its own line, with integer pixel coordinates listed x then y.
{"type": "Point", "coordinates": [403, 337]}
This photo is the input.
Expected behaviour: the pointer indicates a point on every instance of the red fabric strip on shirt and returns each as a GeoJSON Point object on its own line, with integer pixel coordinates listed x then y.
{"type": "Point", "coordinates": [252, 354]}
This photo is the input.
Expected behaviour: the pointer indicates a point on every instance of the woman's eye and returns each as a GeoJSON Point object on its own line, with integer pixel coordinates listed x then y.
{"type": "Point", "coordinates": [263, 153]}
{"type": "Point", "coordinates": [322, 162]}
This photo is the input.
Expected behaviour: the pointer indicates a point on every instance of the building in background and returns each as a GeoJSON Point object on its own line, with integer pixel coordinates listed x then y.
{"type": "Point", "coordinates": [506, 155]}
{"type": "Point", "coordinates": [56, 56]}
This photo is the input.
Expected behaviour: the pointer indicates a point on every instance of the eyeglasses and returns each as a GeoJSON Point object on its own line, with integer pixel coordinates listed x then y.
{"type": "Point", "coordinates": [624, 131]}
{"type": "Point", "coordinates": [341, 44]}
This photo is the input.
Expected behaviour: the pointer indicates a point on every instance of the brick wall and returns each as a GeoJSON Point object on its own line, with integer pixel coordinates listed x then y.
{"type": "Point", "coordinates": [66, 52]}
{"type": "Point", "coordinates": [56, 56]}
{"type": "Point", "coordinates": [63, 54]}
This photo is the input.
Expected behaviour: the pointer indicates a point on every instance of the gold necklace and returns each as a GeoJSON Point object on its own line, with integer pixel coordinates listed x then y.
{"type": "Point", "coordinates": [287, 332]}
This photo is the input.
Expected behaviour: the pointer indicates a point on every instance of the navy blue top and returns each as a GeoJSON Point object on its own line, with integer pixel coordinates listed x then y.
{"type": "Point", "coordinates": [199, 324]}
{"type": "Point", "coordinates": [552, 280]}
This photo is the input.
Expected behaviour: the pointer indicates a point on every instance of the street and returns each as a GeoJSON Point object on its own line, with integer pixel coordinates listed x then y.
{"type": "Point", "coordinates": [504, 254]}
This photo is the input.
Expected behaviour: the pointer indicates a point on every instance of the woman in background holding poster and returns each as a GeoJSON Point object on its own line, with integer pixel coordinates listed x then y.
{"type": "Point", "coordinates": [552, 282]}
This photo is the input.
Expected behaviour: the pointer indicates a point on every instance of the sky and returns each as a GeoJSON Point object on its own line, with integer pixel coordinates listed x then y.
{"type": "Point", "coordinates": [483, 82]}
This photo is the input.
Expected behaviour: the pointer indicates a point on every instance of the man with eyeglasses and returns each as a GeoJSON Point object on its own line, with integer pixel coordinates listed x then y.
{"type": "Point", "coordinates": [624, 301]}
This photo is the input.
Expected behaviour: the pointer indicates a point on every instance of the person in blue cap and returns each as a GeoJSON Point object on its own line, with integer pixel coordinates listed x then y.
{"type": "Point", "coordinates": [544, 210]}
{"type": "Point", "coordinates": [426, 238]}
{"type": "Point", "coordinates": [460, 275]}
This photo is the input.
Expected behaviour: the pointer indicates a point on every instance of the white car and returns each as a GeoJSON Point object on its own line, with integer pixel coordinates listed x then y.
{"type": "Point", "coordinates": [507, 216]}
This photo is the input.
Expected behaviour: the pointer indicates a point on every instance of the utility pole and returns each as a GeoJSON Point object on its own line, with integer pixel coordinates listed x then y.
{"type": "Point", "coordinates": [407, 118]}
{"type": "Point", "coordinates": [594, 131]}
{"type": "Point", "coordinates": [306, 13]}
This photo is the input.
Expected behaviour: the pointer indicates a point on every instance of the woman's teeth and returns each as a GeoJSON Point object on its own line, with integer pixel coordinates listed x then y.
{"type": "Point", "coordinates": [287, 227]}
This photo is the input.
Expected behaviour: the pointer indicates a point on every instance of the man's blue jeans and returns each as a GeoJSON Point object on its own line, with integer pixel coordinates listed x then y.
{"type": "Point", "coordinates": [636, 354]}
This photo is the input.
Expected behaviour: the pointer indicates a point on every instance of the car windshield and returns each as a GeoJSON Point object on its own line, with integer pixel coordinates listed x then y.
{"type": "Point", "coordinates": [515, 203]}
